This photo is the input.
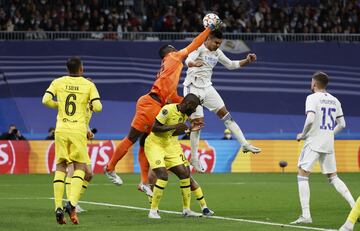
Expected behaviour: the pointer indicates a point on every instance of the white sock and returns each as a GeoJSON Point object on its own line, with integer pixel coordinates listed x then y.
{"type": "Point", "coordinates": [342, 189]}
{"type": "Point", "coordinates": [194, 143]}
{"type": "Point", "coordinates": [304, 194]}
{"type": "Point", "coordinates": [348, 225]}
{"type": "Point", "coordinates": [234, 128]}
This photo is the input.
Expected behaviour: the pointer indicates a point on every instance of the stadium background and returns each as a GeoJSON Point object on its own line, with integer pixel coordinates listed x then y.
{"type": "Point", "coordinates": [266, 98]}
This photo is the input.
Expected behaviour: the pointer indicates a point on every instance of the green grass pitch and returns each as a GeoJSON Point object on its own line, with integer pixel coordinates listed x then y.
{"type": "Point", "coordinates": [272, 198]}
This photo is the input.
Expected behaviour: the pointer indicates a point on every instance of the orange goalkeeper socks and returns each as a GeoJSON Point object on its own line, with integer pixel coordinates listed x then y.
{"type": "Point", "coordinates": [144, 165]}
{"type": "Point", "coordinates": [119, 153]}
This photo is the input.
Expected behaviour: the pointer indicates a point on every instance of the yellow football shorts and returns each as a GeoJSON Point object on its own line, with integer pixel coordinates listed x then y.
{"type": "Point", "coordinates": [166, 155]}
{"type": "Point", "coordinates": [71, 147]}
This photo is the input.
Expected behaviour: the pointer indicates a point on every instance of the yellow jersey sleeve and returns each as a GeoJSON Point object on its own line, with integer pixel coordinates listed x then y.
{"type": "Point", "coordinates": [52, 89]}
{"type": "Point", "coordinates": [164, 114]}
{"type": "Point", "coordinates": [95, 99]}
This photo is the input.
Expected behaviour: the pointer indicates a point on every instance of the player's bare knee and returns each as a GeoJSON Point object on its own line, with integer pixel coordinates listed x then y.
{"type": "Point", "coordinates": [183, 174]}
{"type": "Point", "coordinates": [331, 176]}
{"type": "Point", "coordinates": [161, 174]}
{"type": "Point", "coordinates": [151, 177]}
{"type": "Point", "coordinates": [302, 172]}
{"type": "Point", "coordinates": [193, 184]}
{"type": "Point", "coordinates": [61, 167]}
{"type": "Point", "coordinates": [222, 112]}
{"type": "Point", "coordinates": [79, 166]}
{"type": "Point", "coordinates": [88, 175]}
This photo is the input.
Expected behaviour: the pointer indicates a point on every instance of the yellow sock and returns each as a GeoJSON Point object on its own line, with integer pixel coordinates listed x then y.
{"type": "Point", "coordinates": [185, 192]}
{"type": "Point", "coordinates": [150, 199]}
{"type": "Point", "coordinates": [59, 188]}
{"type": "Point", "coordinates": [76, 185]}
{"type": "Point", "coordinates": [355, 212]}
{"type": "Point", "coordinates": [158, 192]}
{"type": "Point", "coordinates": [84, 187]}
{"type": "Point", "coordinates": [68, 187]}
{"type": "Point", "coordinates": [200, 197]}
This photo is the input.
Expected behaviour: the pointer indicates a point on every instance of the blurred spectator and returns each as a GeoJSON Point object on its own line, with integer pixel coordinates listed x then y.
{"type": "Point", "coordinates": [265, 16]}
{"type": "Point", "coordinates": [227, 135]}
{"type": "Point", "coordinates": [51, 135]}
{"type": "Point", "coordinates": [12, 134]}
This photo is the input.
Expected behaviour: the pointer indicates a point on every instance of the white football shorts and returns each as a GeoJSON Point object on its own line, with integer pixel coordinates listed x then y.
{"type": "Point", "coordinates": [209, 98]}
{"type": "Point", "coordinates": [309, 157]}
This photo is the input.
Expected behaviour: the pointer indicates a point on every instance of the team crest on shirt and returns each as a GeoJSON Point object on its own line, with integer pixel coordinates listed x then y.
{"type": "Point", "coordinates": [158, 162]}
{"type": "Point", "coordinates": [164, 111]}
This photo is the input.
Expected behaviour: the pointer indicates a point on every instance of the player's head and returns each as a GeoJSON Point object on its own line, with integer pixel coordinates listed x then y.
{"type": "Point", "coordinates": [214, 40]}
{"type": "Point", "coordinates": [189, 104]}
{"type": "Point", "coordinates": [166, 49]}
{"type": "Point", "coordinates": [319, 81]}
{"type": "Point", "coordinates": [75, 66]}
{"type": "Point", "coordinates": [12, 128]}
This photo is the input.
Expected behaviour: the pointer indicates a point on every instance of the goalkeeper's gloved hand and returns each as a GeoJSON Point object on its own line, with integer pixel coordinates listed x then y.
{"type": "Point", "coordinates": [215, 25]}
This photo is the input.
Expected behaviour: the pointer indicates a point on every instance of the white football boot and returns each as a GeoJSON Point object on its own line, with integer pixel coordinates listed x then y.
{"type": "Point", "coordinates": [302, 220]}
{"type": "Point", "coordinates": [113, 177]}
{"type": "Point", "coordinates": [153, 214]}
{"type": "Point", "coordinates": [145, 189]}
{"type": "Point", "coordinates": [197, 165]}
{"type": "Point", "coordinates": [250, 148]}
{"type": "Point", "coordinates": [347, 226]}
{"type": "Point", "coordinates": [78, 209]}
{"type": "Point", "coordinates": [189, 213]}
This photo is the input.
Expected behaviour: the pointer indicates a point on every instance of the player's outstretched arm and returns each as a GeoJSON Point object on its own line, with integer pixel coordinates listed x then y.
{"type": "Point", "coordinates": [249, 59]}
{"type": "Point", "coordinates": [48, 101]}
{"type": "Point", "coordinates": [196, 43]}
{"type": "Point", "coordinates": [235, 64]}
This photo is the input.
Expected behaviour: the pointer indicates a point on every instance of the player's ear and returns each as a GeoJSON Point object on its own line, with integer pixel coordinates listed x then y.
{"type": "Point", "coordinates": [81, 69]}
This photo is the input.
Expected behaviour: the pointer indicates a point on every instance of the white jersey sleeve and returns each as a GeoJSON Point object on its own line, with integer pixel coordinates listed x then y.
{"type": "Point", "coordinates": [229, 64]}
{"type": "Point", "coordinates": [339, 111]}
{"type": "Point", "coordinates": [192, 56]}
{"type": "Point", "coordinates": [310, 105]}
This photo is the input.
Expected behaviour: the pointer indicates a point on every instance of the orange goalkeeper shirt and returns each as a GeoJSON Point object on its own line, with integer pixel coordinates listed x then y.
{"type": "Point", "coordinates": [168, 77]}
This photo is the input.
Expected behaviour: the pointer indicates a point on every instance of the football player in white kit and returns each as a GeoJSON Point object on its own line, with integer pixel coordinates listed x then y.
{"type": "Point", "coordinates": [324, 119]}
{"type": "Point", "coordinates": [198, 81]}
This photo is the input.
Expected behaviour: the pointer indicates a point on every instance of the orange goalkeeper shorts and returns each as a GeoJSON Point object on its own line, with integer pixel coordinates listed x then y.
{"type": "Point", "coordinates": [147, 108]}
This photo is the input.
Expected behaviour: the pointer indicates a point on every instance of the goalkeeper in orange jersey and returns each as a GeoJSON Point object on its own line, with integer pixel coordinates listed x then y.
{"type": "Point", "coordinates": [163, 91]}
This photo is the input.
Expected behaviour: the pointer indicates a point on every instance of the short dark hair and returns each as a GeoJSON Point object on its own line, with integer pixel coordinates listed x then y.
{"type": "Point", "coordinates": [164, 50]}
{"type": "Point", "coordinates": [322, 78]}
{"type": "Point", "coordinates": [216, 34]}
{"type": "Point", "coordinates": [51, 129]}
{"type": "Point", "coordinates": [73, 64]}
{"type": "Point", "coordinates": [192, 98]}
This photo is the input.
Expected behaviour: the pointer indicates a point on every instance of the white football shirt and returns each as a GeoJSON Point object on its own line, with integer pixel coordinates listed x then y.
{"type": "Point", "coordinates": [201, 76]}
{"type": "Point", "coordinates": [327, 109]}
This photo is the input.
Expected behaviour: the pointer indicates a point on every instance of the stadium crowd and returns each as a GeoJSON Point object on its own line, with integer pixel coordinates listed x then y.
{"type": "Point", "coordinates": [265, 16]}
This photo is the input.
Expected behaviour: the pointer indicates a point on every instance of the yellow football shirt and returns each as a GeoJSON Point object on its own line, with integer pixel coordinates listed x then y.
{"type": "Point", "coordinates": [169, 115]}
{"type": "Point", "coordinates": [73, 96]}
